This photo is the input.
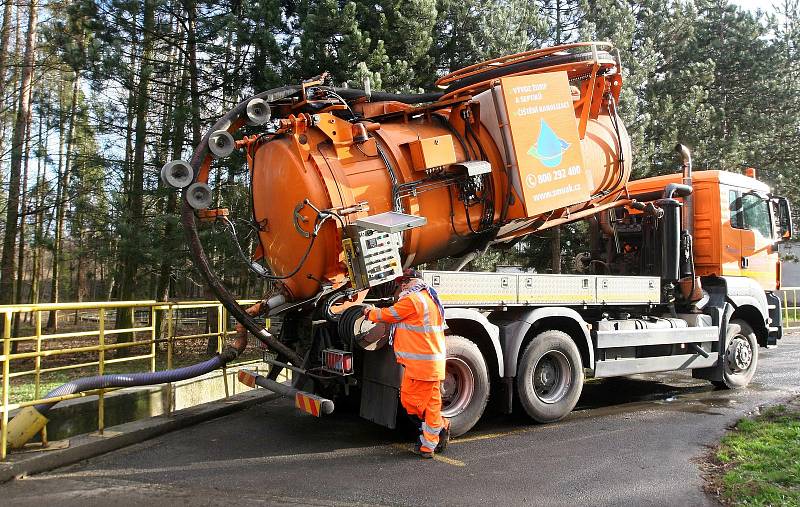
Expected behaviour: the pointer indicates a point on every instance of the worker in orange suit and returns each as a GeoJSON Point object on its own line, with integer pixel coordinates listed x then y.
{"type": "Point", "coordinates": [417, 333]}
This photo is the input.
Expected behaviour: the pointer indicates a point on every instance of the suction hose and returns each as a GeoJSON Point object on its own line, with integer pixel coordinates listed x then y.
{"type": "Point", "coordinates": [30, 420]}
{"type": "Point", "coordinates": [132, 380]}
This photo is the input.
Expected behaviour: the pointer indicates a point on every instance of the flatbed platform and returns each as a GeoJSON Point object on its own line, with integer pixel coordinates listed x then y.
{"type": "Point", "coordinates": [474, 289]}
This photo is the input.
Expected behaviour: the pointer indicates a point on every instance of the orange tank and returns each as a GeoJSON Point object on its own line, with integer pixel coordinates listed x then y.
{"type": "Point", "coordinates": [544, 143]}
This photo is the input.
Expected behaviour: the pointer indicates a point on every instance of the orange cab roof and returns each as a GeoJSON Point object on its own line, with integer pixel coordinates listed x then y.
{"type": "Point", "coordinates": [721, 177]}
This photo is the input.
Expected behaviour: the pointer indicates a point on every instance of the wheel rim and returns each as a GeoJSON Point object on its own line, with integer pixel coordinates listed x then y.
{"type": "Point", "coordinates": [552, 377]}
{"type": "Point", "coordinates": [739, 355]}
{"type": "Point", "coordinates": [458, 387]}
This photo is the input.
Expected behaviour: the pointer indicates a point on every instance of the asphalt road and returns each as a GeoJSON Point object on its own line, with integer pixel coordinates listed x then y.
{"type": "Point", "coordinates": [631, 441]}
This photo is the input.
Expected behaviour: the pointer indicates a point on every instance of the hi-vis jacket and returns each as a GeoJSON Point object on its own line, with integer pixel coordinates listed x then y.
{"type": "Point", "coordinates": [419, 334]}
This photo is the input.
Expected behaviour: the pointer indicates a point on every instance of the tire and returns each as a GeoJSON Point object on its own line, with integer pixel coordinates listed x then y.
{"type": "Point", "coordinates": [740, 359]}
{"type": "Point", "coordinates": [465, 389]}
{"type": "Point", "coordinates": [554, 358]}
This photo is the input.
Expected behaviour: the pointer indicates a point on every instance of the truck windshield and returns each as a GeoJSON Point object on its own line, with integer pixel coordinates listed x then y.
{"type": "Point", "coordinates": [755, 214]}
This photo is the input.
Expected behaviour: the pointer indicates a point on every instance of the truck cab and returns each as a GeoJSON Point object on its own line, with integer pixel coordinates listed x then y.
{"type": "Point", "coordinates": [738, 224]}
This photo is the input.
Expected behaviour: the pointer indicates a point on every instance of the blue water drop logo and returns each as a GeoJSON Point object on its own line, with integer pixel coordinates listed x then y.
{"type": "Point", "coordinates": [549, 148]}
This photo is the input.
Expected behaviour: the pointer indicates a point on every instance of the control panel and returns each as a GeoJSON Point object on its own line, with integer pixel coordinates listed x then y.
{"type": "Point", "coordinates": [373, 257]}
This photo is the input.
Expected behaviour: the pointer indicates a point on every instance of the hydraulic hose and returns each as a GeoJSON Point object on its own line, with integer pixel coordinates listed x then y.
{"type": "Point", "coordinates": [525, 66]}
{"type": "Point", "coordinates": [406, 98]}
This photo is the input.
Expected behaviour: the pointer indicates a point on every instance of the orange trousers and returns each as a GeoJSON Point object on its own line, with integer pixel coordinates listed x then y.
{"type": "Point", "coordinates": [423, 398]}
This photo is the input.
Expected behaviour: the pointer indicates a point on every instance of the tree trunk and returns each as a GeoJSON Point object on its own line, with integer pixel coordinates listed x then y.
{"type": "Point", "coordinates": [61, 196]}
{"type": "Point", "coordinates": [555, 250]}
{"type": "Point", "coordinates": [38, 228]}
{"type": "Point", "coordinates": [79, 271]}
{"type": "Point", "coordinates": [130, 253]}
{"type": "Point", "coordinates": [5, 34]}
{"type": "Point", "coordinates": [23, 216]}
{"type": "Point", "coordinates": [191, 50]}
{"type": "Point", "coordinates": [174, 124]}
{"type": "Point", "coordinates": [8, 262]}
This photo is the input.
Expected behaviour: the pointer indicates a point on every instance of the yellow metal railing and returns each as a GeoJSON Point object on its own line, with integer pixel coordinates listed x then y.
{"type": "Point", "coordinates": [23, 358]}
{"type": "Point", "coordinates": [791, 318]}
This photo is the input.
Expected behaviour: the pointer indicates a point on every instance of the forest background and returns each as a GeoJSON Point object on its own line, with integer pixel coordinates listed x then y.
{"type": "Point", "coordinates": [96, 95]}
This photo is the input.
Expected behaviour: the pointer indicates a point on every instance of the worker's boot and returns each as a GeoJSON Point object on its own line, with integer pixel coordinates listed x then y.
{"type": "Point", "coordinates": [444, 437]}
{"type": "Point", "coordinates": [423, 454]}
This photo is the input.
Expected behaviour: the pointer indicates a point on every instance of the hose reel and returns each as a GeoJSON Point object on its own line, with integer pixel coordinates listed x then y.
{"type": "Point", "coordinates": [353, 327]}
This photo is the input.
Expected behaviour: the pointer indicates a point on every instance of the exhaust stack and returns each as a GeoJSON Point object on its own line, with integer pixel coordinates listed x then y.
{"type": "Point", "coordinates": [688, 201]}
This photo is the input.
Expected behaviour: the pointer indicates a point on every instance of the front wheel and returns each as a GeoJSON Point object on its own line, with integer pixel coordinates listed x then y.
{"type": "Point", "coordinates": [740, 357]}
{"type": "Point", "coordinates": [550, 376]}
{"type": "Point", "coordinates": [465, 388]}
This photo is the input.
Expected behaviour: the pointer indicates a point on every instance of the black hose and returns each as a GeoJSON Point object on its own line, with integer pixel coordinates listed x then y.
{"type": "Point", "coordinates": [405, 98]}
{"type": "Point", "coordinates": [199, 256]}
{"type": "Point", "coordinates": [134, 379]}
{"type": "Point", "coordinates": [603, 57]}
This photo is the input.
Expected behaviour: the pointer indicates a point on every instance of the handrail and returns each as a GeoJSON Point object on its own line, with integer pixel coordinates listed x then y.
{"type": "Point", "coordinates": [790, 317]}
{"type": "Point", "coordinates": [35, 346]}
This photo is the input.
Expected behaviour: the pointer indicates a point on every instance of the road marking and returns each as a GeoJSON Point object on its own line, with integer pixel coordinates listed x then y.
{"type": "Point", "coordinates": [225, 463]}
{"type": "Point", "coordinates": [489, 436]}
{"type": "Point", "coordinates": [449, 461]}
{"type": "Point", "coordinates": [437, 457]}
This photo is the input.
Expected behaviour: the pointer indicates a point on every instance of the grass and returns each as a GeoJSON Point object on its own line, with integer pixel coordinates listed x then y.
{"type": "Point", "coordinates": [758, 463]}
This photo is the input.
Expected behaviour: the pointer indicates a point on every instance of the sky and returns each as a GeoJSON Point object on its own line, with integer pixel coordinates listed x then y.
{"type": "Point", "coordinates": [764, 5]}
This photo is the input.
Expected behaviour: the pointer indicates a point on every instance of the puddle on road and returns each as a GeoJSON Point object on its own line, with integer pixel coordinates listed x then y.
{"type": "Point", "coordinates": [625, 390]}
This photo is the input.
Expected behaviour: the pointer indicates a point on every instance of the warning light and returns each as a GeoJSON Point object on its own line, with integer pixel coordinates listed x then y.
{"type": "Point", "coordinates": [337, 361]}
{"type": "Point", "coordinates": [247, 378]}
{"type": "Point", "coordinates": [750, 172]}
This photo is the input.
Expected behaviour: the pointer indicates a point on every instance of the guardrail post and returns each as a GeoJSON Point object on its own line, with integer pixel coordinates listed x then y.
{"type": "Point", "coordinates": [101, 407]}
{"type": "Point", "coordinates": [785, 309]}
{"type": "Point", "coordinates": [222, 329]}
{"type": "Point", "coordinates": [152, 337]}
{"type": "Point", "coordinates": [170, 344]}
{"type": "Point", "coordinates": [38, 368]}
{"type": "Point", "coordinates": [6, 381]}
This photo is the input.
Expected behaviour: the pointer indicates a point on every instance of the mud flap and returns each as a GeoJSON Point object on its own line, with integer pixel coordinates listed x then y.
{"type": "Point", "coordinates": [380, 390]}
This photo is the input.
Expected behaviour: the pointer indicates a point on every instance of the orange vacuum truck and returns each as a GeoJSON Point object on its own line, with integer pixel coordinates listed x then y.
{"type": "Point", "coordinates": [349, 186]}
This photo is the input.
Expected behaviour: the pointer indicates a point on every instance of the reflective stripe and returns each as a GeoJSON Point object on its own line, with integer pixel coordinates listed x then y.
{"type": "Point", "coordinates": [430, 430]}
{"type": "Point", "coordinates": [426, 318]}
{"type": "Point", "coordinates": [420, 329]}
{"type": "Point", "coordinates": [394, 313]}
{"type": "Point", "coordinates": [421, 357]}
{"type": "Point", "coordinates": [426, 443]}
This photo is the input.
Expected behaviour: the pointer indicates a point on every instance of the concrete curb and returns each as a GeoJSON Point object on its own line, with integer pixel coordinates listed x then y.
{"type": "Point", "coordinates": [87, 446]}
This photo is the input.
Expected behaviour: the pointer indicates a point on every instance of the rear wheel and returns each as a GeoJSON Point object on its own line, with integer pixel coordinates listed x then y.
{"type": "Point", "coordinates": [550, 376]}
{"type": "Point", "coordinates": [740, 358]}
{"type": "Point", "coordinates": [465, 389]}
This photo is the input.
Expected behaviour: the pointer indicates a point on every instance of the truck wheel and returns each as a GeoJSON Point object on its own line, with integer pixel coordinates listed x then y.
{"type": "Point", "coordinates": [741, 356]}
{"type": "Point", "coordinates": [550, 376]}
{"type": "Point", "coordinates": [465, 389]}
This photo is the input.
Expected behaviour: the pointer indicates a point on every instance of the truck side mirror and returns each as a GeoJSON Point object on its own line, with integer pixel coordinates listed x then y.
{"type": "Point", "coordinates": [784, 219]}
